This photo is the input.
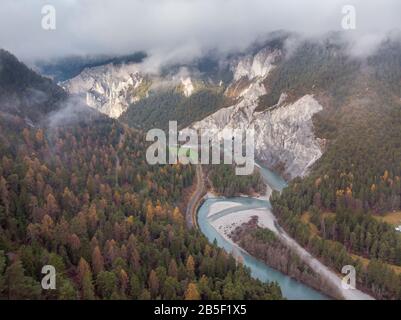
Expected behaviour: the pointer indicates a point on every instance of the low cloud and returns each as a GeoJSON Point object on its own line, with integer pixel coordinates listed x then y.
{"type": "Point", "coordinates": [178, 30]}
{"type": "Point", "coordinates": [71, 111]}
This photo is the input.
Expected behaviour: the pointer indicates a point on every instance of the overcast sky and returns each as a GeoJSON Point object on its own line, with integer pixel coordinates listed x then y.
{"type": "Point", "coordinates": [178, 29]}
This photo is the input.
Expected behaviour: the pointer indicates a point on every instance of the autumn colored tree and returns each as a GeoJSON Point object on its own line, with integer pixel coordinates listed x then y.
{"type": "Point", "coordinates": [123, 280]}
{"type": "Point", "coordinates": [59, 205]}
{"type": "Point", "coordinates": [190, 265]}
{"type": "Point", "coordinates": [153, 284]}
{"type": "Point", "coordinates": [191, 293]}
{"type": "Point", "coordinates": [85, 280]}
{"type": "Point", "coordinates": [97, 260]}
{"type": "Point", "coordinates": [39, 136]}
{"type": "Point", "coordinates": [177, 216]}
{"type": "Point", "coordinates": [52, 208]}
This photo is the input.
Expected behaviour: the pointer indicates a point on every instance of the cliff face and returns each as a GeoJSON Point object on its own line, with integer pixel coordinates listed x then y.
{"type": "Point", "coordinates": [257, 66]}
{"type": "Point", "coordinates": [284, 135]}
{"type": "Point", "coordinates": [110, 89]}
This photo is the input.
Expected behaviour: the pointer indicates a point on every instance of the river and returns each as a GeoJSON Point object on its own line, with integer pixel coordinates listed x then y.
{"type": "Point", "coordinates": [290, 288]}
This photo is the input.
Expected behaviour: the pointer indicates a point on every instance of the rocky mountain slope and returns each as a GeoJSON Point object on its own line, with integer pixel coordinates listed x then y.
{"type": "Point", "coordinates": [283, 136]}
{"type": "Point", "coordinates": [214, 95]}
{"type": "Point", "coordinates": [109, 89]}
{"type": "Point", "coordinates": [290, 95]}
{"type": "Point", "coordinates": [337, 118]}
{"type": "Point", "coordinates": [112, 88]}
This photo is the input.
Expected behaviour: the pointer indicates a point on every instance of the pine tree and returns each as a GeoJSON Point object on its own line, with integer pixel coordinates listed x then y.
{"type": "Point", "coordinates": [135, 287]}
{"type": "Point", "coordinates": [17, 285]}
{"type": "Point", "coordinates": [172, 269]}
{"type": "Point", "coordinates": [67, 291]}
{"type": "Point", "coordinates": [2, 269]}
{"type": "Point", "coordinates": [106, 284]}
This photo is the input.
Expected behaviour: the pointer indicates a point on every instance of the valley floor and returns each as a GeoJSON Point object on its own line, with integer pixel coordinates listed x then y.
{"type": "Point", "coordinates": [225, 216]}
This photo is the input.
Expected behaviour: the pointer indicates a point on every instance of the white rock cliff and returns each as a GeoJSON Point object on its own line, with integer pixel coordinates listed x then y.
{"type": "Point", "coordinates": [110, 89]}
{"type": "Point", "coordinates": [284, 135]}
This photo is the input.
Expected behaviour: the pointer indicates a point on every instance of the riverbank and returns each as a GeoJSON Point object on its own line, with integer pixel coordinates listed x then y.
{"type": "Point", "coordinates": [290, 288]}
{"type": "Point", "coordinates": [266, 246]}
{"type": "Point", "coordinates": [225, 217]}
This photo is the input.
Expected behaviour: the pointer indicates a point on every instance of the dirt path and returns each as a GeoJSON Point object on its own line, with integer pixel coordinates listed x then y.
{"type": "Point", "coordinates": [317, 266]}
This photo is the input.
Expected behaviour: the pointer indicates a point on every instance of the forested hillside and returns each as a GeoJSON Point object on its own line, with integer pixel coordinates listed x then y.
{"type": "Point", "coordinates": [81, 197]}
{"type": "Point", "coordinates": [225, 182]}
{"type": "Point", "coordinates": [314, 66]}
{"type": "Point", "coordinates": [167, 105]}
{"type": "Point", "coordinates": [25, 93]}
{"type": "Point", "coordinates": [339, 211]}
{"type": "Point", "coordinates": [335, 210]}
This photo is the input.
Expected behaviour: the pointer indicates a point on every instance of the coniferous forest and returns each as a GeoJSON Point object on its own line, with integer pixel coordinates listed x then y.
{"type": "Point", "coordinates": [339, 211]}
{"type": "Point", "coordinates": [80, 196]}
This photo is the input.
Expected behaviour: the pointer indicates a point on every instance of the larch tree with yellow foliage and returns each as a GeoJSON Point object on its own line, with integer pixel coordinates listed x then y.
{"type": "Point", "coordinates": [192, 292]}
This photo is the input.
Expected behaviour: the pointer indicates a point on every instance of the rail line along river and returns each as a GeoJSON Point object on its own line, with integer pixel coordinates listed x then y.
{"type": "Point", "coordinates": [244, 207]}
